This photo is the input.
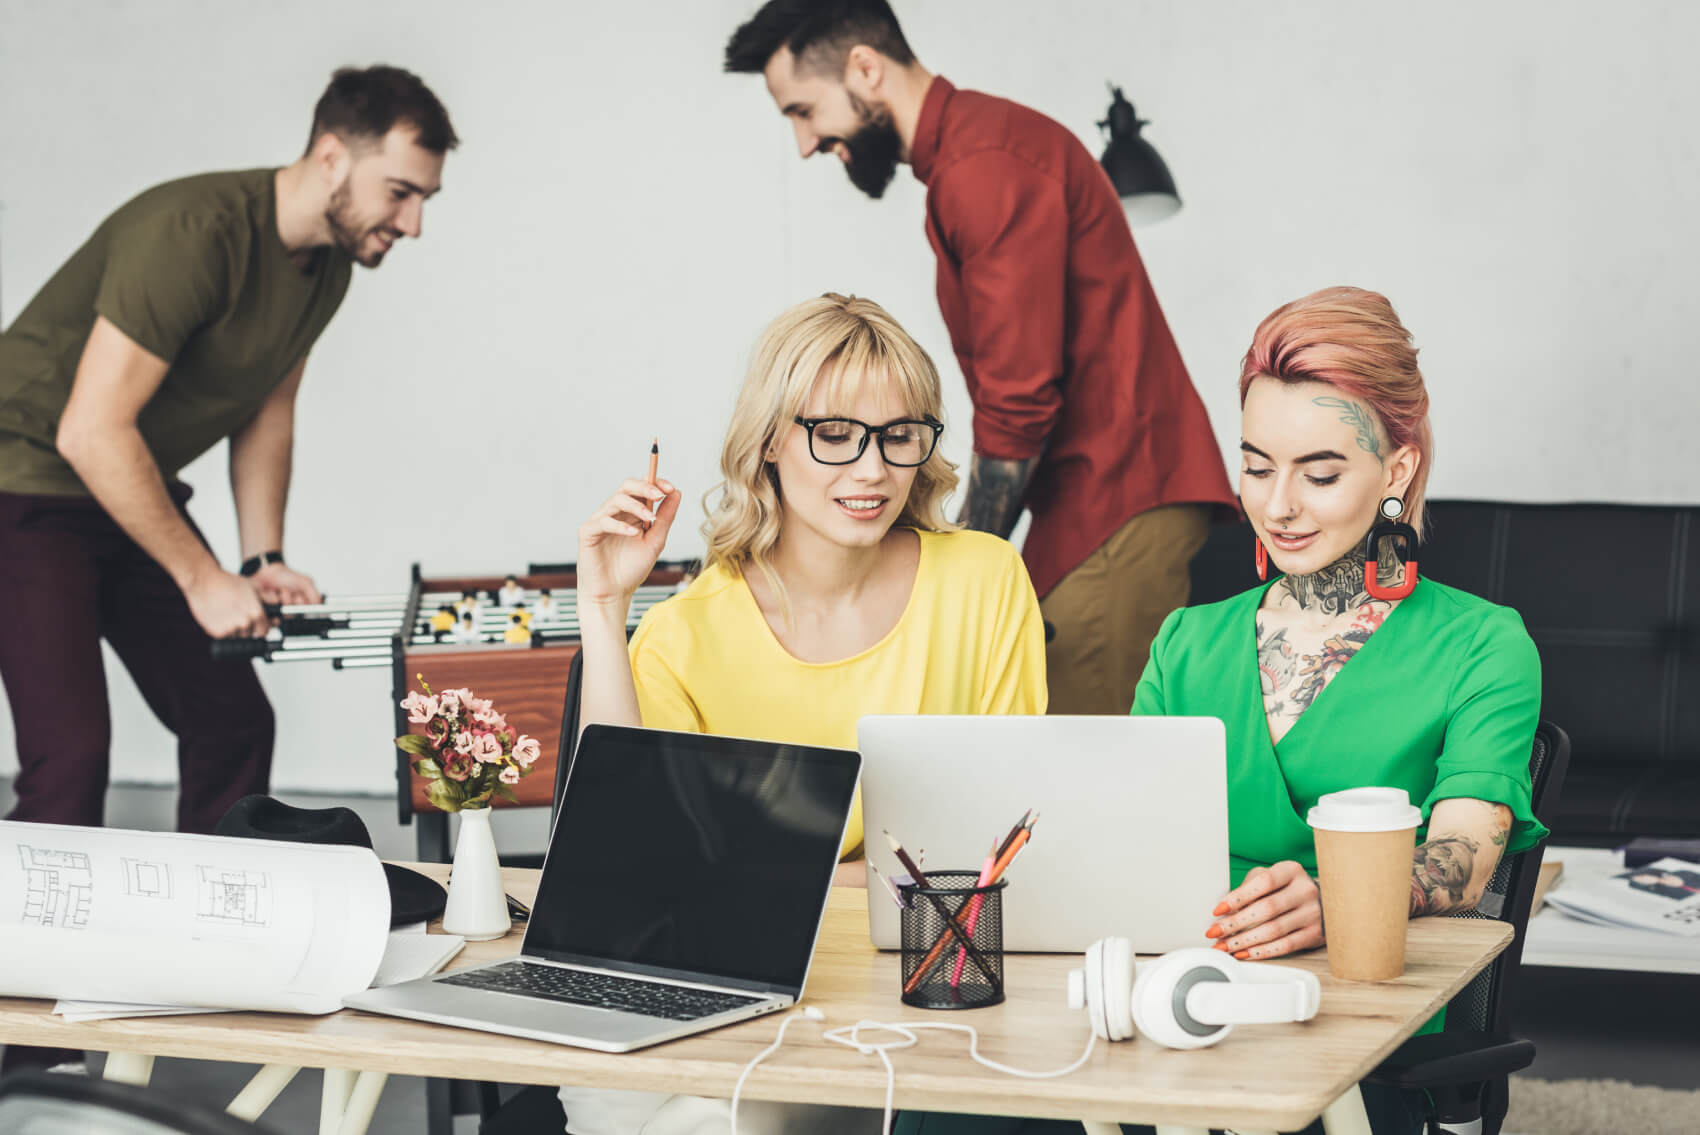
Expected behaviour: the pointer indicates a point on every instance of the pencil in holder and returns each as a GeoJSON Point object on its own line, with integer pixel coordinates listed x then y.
{"type": "Point", "coordinates": [952, 941]}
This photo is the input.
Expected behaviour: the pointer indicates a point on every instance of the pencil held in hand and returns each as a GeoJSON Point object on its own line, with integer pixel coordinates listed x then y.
{"type": "Point", "coordinates": [654, 468]}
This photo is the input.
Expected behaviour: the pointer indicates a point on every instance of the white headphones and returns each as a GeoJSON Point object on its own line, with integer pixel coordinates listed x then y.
{"type": "Point", "coordinates": [1188, 998]}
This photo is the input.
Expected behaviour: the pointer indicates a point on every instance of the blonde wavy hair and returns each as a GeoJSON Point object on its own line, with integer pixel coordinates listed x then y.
{"type": "Point", "coordinates": [845, 342]}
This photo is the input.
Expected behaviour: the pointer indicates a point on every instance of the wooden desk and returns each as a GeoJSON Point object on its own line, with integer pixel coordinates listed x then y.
{"type": "Point", "coordinates": [1261, 1078]}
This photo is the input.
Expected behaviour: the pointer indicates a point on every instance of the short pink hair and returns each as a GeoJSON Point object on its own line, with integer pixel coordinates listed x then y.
{"type": "Point", "coordinates": [1352, 340]}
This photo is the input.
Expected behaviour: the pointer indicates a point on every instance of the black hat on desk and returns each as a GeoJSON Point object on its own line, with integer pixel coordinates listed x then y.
{"type": "Point", "coordinates": [413, 897]}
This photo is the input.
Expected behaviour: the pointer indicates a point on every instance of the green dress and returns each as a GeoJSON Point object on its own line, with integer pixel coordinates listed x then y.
{"type": "Point", "coordinates": [1442, 701]}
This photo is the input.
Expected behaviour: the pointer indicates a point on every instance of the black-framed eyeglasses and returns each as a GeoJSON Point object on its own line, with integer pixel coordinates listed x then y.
{"type": "Point", "coordinates": [842, 441]}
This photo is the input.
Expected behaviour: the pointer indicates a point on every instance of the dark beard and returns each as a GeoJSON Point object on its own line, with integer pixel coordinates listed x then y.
{"type": "Point", "coordinates": [346, 231]}
{"type": "Point", "coordinates": [875, 149]}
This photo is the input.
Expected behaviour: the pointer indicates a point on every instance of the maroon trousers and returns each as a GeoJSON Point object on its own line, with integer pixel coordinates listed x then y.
{"type": "Point", "coordinates": [69, 577]}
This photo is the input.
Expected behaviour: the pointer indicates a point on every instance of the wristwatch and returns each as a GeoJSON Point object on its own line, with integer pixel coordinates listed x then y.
{"type": "Point", "coordinates": [254, 563]}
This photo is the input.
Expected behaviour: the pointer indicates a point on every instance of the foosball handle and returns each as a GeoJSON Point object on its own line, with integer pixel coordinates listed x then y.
{"type": "Point", "coordinates": [236, 649]}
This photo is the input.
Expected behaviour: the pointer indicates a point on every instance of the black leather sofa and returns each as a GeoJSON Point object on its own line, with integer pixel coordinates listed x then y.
{"type": "Point", "coordinates": [1611, 596]}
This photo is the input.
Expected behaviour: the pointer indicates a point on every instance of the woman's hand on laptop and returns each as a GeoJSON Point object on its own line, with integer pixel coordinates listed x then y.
{"type": "Point", "coordinates": [619, 544]}
{"type": "Point", "coordinates": [1277, 910]}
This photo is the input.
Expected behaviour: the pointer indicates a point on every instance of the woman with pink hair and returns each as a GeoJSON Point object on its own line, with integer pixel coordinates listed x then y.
{"type": "Point", "coordinates": [1443, 701]}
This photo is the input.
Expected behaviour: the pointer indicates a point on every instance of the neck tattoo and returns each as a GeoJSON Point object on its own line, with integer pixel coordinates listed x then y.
{"type": "Point", "coordinates": [1339, 587]}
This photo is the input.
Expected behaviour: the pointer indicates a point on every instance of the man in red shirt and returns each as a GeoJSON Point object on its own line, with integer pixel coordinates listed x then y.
{"type": "Point", "coordinates": [1083, 411]}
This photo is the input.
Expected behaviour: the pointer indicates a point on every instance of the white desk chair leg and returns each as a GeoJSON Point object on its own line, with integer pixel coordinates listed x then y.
{"type": "Point", "coordinates": [129, 1068]}
{"type": "Point", "coordinates": [251, 1102]}
{"type": "Point", "coordinates": [1346, 1115]}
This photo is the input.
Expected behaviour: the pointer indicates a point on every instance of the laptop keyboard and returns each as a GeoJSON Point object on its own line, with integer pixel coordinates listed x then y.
{"type": "Point", "coordinates": [600, 990]}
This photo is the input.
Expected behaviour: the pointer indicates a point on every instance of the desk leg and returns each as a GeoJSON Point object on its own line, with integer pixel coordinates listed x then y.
{"type": "Point", "coordinates": [362, 1102]}
{"type": "Point", "coordinates": [339, 1083]}
{"type": "Point", "coordinates": [129, 1068]}
{"type": "Point", "coordinates": [252, 1101]}
{"type": "Point", "coordinates": [1346, 1115]}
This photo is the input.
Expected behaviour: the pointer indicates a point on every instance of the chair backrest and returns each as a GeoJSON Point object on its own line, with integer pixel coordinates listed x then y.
{"type": "Point", "coordinates": [43, 1103]}
{"type": "Point", "coordinates": [1483, 1005]}
{"type": "Point", "coordinates": [569, 730]}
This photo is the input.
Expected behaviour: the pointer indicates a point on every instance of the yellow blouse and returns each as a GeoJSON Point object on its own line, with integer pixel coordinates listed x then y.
{"type": "Point", "coordinates": [969, 641]}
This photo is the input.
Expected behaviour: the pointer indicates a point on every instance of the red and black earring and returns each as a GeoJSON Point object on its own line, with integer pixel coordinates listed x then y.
{"type": "Point", "coordinates": [1262, 559]}
{"type": "Point", "coordinates": [1392, 508]}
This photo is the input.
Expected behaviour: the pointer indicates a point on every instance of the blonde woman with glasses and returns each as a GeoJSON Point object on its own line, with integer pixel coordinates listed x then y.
{"type": "Point", "coordinates": [833, 586]}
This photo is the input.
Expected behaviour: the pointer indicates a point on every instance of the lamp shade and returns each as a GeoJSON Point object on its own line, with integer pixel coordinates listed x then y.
{"type": "Point", "coordinates": [1142, 180]}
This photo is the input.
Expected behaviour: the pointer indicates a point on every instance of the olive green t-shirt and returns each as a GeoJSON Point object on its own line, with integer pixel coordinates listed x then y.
{"type": "Point", "coordinates": [195, 273]}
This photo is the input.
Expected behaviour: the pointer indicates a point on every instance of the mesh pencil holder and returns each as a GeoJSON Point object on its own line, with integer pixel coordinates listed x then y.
{"type": "Point", "coordinates": [952, 941]}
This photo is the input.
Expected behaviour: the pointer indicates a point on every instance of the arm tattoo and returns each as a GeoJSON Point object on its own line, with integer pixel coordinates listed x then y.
{"type": "Point", "coordinates": [996, 487]}
{"type": "Point", "coordinates": [1440, 871]}
{"type": "Point", "coordinates": [1501, 818]}
{"type": "Point", "coordinates": [1359, 418]}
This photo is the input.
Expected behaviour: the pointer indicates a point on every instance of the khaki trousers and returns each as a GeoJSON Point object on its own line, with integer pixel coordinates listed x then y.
{"type": "Point", "coordinates": [1105, 612]}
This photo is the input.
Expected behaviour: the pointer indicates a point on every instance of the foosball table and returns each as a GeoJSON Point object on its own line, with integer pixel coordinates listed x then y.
{"type": "Point", "coordinates": [513, 639]}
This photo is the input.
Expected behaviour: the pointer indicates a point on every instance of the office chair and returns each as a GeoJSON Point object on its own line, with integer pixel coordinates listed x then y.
{"type": "Point", "coordinates": [569, 731]}
{"type": "Point", "coordinates": [48, 1103]}
{"type": "Point", "coordinates": [1466, 1069]}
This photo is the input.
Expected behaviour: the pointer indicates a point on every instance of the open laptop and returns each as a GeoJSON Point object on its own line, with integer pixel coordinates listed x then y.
{"type": "Point", "coordinates": [683, 890]}
{"type": "Point", "coordinates": [1132, 838]}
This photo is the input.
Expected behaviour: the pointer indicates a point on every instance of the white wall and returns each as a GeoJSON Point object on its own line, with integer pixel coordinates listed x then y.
{"type": "Point", "coordinates": [622, 219]}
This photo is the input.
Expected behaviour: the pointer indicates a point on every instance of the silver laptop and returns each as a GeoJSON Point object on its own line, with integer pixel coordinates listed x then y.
{"type": "Point", "coordinates": [1132, 837]}
{"type": "Point", "coordinates": [683, 890]}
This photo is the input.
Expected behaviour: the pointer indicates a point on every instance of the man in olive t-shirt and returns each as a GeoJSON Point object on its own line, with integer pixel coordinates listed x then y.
{"type": "Point", "coordinates": [184, 320]}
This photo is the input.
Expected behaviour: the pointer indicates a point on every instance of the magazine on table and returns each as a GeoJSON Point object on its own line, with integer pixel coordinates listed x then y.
{"type": "Point", "coordinates": [1663, 895]}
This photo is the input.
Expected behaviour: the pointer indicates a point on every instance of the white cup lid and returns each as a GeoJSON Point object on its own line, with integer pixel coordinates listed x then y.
{"type": "Point", "coordinates": [1365, 810]}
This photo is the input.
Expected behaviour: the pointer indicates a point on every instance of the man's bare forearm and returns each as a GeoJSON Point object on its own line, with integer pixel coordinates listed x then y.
{"type": "Point", "coordinates": [996, 488]}
{"type": "Point", "coordinates": [261, 456]}
{"type": "Point", "coordinates": [261, 461]}
{"type": "Point", "coordinates": [123, 477]}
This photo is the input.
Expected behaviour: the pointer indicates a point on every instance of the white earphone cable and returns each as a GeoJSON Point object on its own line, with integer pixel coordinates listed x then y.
{"type": "Point", "coordinates": [851, 1037]}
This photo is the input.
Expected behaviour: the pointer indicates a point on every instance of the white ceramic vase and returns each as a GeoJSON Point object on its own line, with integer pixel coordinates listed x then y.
{"type": "Point", "coordinates": [477, 909]}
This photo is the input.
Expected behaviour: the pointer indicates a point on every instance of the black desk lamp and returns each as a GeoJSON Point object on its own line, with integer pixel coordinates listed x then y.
{"type": "Point", "coordinates": [1141, 179]}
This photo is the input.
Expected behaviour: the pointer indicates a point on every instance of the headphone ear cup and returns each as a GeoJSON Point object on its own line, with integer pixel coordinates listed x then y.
{"type": "Point", "coordinates": [1095, 989]}
{"type": "Point", "coordinates": [1117, 964]}
{"type": "Point", "coordinates": [1154, 997]}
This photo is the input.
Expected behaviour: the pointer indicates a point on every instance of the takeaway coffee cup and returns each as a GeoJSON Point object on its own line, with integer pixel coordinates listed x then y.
{"type": "Point", "coordinates": [1364, 841]}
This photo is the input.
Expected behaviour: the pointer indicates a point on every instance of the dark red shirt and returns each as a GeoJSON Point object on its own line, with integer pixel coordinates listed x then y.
{"type": "Point", "coordinates": [1057, 330]}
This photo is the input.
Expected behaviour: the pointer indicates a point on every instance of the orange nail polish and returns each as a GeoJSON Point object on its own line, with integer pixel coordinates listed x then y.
{"type": "Point", "coordinates": [1220, 946]}
{"type": "Point", "coordinates": [1242, 954]}
{"type": "Point", "coordinates": [1221, 909]}
{"type": "Point", "coordinates": [1214, 932]}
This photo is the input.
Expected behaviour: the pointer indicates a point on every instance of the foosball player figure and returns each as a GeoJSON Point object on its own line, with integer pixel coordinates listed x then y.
{"type": "Point", "coordinates": [522, 614]}
{"type": "Point", "coordinates": [512, 594]}
{"type": "Point", "coordinates": [544, 608]}
{"type": "Point", "coordinates": [468, 601]}
{"type": "Point", "coordinates": [444, 619]}
{"type": "Point", "coordinates": [467, 631]}
{"type": "Point", "coordinates": [516, 631]}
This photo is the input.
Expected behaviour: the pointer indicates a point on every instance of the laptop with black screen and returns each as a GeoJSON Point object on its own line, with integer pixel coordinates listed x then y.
{"type": "Point", "coordinates": [683, 889]}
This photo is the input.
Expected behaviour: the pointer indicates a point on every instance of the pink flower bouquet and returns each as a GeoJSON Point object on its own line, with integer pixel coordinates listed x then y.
{"type": "Point", "coordinates": [467, 751]}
